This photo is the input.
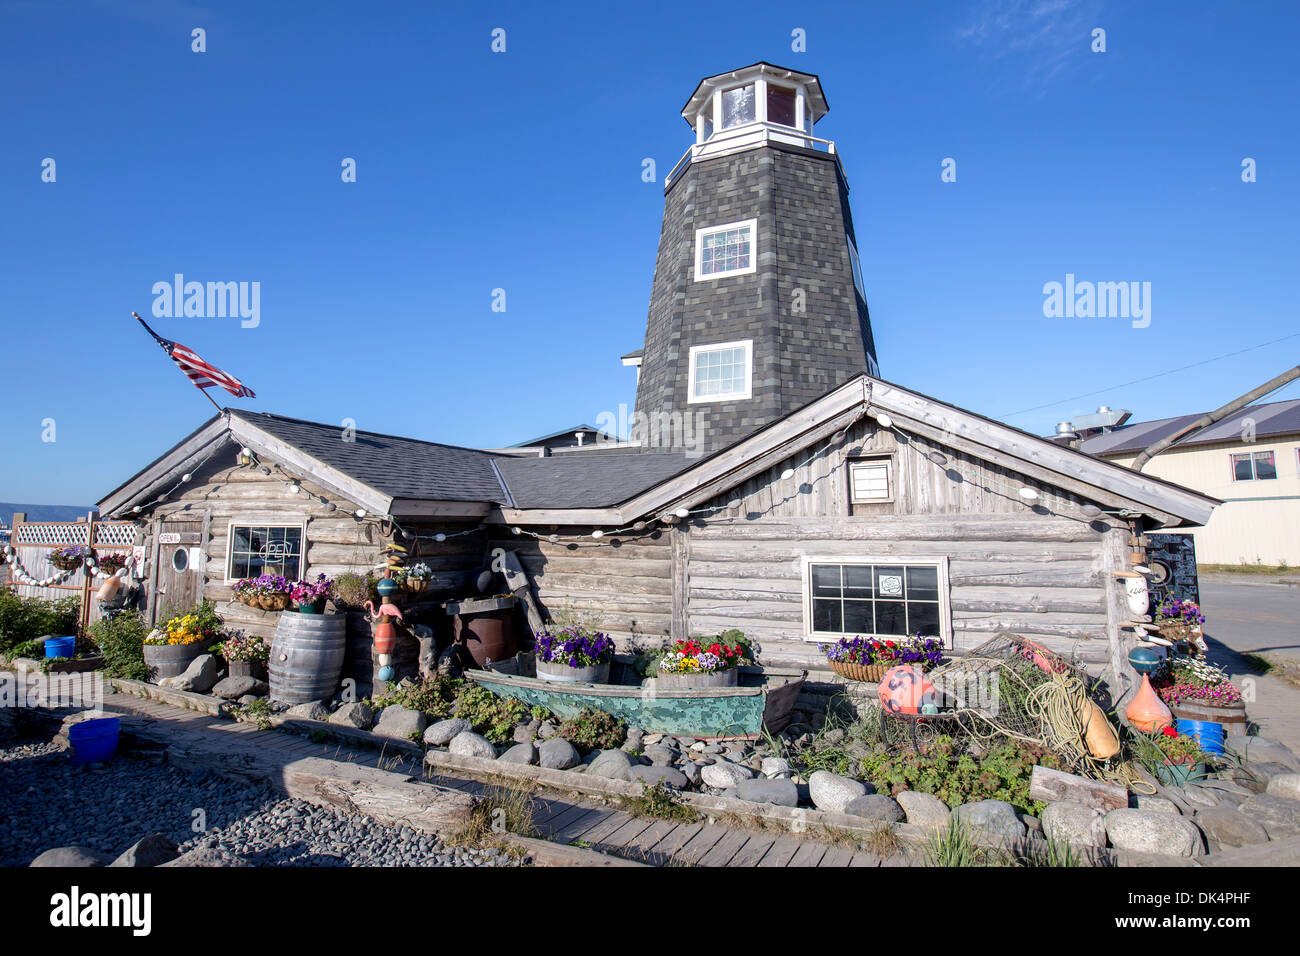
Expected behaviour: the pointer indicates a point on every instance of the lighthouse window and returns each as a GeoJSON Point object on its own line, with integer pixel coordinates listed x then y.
{"type": "Point", "coordinates": [780, 105]}
{"type": "Point", "coordinates": [738, 106]}
{"type": "Point", "coordinates": [725, 250]}
{"type": "Point", "coordinates": [721, 372]}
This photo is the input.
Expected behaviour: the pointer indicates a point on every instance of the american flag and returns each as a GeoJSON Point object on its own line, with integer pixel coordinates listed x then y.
{"type": "Point", "coordinates": [199, 372]}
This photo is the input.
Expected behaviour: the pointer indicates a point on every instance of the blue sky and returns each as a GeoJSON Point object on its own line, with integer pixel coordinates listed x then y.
{"type": "Point", "coordinates": [522, 171]}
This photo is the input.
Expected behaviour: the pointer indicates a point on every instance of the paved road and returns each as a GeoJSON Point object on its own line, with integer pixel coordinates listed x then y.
{"type": "Point", "coordinates": [1256, 617]}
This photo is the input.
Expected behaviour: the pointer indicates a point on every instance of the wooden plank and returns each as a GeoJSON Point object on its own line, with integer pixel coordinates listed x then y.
{"type": "Point", "coordinates": [382, 796]}
{"type": "Point", "coordinates": [644, 845]}
{"type": "Point", "coordinates": [809, 854]}
{"type": "Point", "coordinates": [517, 582]}
{"type": "Point", "coordinates": [864, 859]}
{"type": "Point", "coordinates": [1055, 786]}
{"type": "Point", "coordinates": [627, 834]}
{"type": "Point", "coordinates": [754, 849]}
{"type": "Point", "coordinates": [836, 856]}
{"type": "Point", "coordinates": [610, 824]}
{"type": "Point", "coordinates": [721, 853]}
{"type": "Point", "coordinates": [670, 845]}
{"type": "Point", "coordinates": [681, 582]}
{"type": "Point", "coordinates": [781, 852]}
{"type": "Point", "coordinates": [568, 827]}
{"type": "Point", "coordinates": [701, 843]}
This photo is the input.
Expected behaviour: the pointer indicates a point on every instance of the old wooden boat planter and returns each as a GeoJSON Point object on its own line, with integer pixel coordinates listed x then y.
{"type": "Point", "coordinates": [763, 698]}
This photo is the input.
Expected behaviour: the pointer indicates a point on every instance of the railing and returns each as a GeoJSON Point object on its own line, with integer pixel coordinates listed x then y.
{"type": "Point", "coordinates": [769, 131]}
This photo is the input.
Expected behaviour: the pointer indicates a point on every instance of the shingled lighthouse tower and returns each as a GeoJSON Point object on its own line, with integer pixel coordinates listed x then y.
{"type": "Point", "coordinates": [758, 305]}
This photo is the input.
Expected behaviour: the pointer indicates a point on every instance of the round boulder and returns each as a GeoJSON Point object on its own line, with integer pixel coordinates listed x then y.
{"type": "Point", "coordinates": [1151, 831]}
{"type": "Point", "coordinates": [1075, 824]}
{"type": "Point", "coordinates": [924, 809]}
{"type": "Point", "coordinates": [875, 806]}
{"type": "Point", "coordinates": [469, 744]}
{"type": "Point", "coordinates": [830, 791]}
{"type": "Point", "coordinates": [995, 817]}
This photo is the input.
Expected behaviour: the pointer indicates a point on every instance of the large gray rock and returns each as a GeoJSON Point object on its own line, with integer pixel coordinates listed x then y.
{"type": "Point", "coordinates": [68, 856]}
{"type": "Point", "coordinates": [153, 850]}
{"type": "Point", "coordinates": [199, 677]}
{"type": "Point", "coordinates": [1229, 827]}
{"type": "Point", "coordinates": [658, 755]}
{"type": "Point", "coordinates": [1157, 804]}
{"type": "Point", "coordinates": [524, 753]}
{"type": "Point", "coordinates": [724, 774]}
{"type": "Point", "coordinates": [556, 753]}
{"type": "Point", "coordinates": [1151, 831]}
{"type": "Point", "coordinates": [692, 772]}
{"type": "Point", "coordinates": [441, 733]}
{"type": "Point", "coordinates": [666, 775]}
{"type": "Point", "coordinates": [1285, 785]}
{"type": "Point", "coordinates": [776, 767]}
{"type": "Point", "coordinates": [313, 710]}
{"type": "Point", "coordinates": [995, 817]}
{"type": "Point", "coordinates": [1278, 815]}
{"type": "Point", "coordinates": [611, 764]}
{"type": "Point", "coordinates": [1263, 750]}
{"type": "Point", "coordinates": [356, 714]}
{"type": "Point", "coordinates": [469, 744]}
{"type": "Point", "coordinates": [924, 809]}
{"type": "Point", "coordinates": [875, 806]}
{"type": "Point", "coordinates": [233, 688]}
{"type": "Point", "coordinates": [1074, 823]}
{"type": "Point", "coordinates": [775, 790]}
{"type": "Point", "coordinates": [831, 792]}
{"type": "Point", "coordinates": [401, 723]}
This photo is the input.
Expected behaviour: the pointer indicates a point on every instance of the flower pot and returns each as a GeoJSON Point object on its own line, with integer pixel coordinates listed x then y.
{"type": "Point", "coordinates": [171, 660]}
{"type": "Point", "coordinates": [724, 678]}
{"type": "Point", "coordinates": [564, 674]}
{"type": "Point", "coordinates": [417, 585]}
{"type": "Point", "coordinates": [871, 673]}
{"type": "Point", "coordinates": [254, 669]}
{"type": "Point", "coordinates": [67, 564]}
{"type": "Point", "coordinates": [315, 607]}
{"type": "Point", "coordinates": [273, 602]}
{"type": "Point", "coordinates": [1179, 774]}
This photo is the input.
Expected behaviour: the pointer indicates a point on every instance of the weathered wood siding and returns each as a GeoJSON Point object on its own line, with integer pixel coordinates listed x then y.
{"type": "Point", "coordinates": [1012, 564]}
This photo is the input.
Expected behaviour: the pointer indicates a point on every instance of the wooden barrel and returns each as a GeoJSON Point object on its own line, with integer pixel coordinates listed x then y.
{"type": "Point", "coordinates": [307, 656]}
{"type": "Point", "coordinates": [1232, 716]}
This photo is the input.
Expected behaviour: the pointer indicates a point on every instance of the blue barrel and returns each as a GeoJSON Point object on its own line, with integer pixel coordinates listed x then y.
{"type": "Point", "coordinates": [61, 646]}
{"type": "Point", "coordinates": [94, 740]}
{"type": "Point", "coordinates": [1207, 733]}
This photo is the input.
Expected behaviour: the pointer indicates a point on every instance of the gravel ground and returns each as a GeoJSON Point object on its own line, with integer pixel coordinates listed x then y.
{"type": "Point", "coordinates": [50, 803]}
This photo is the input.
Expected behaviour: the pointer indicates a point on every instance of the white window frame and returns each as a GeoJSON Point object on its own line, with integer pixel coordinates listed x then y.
{"type": "Point", "coordinates": [936, 561]}
{"type": "Point", "coordinates": [746, 393]}
{"type": "Point", "coordinates": [872, 461]}
{"type": "Point", "coordinates": [753, 249]}
{"type": "Point", "coordinates": [244, 523]}
{"type": "Point", "coordinates": [855, 266]}
{"type": "Point", "coordinates": [1254, 471]}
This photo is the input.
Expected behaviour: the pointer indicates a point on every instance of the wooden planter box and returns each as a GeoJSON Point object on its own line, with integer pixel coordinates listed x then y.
{"type": "Point", "coordinates": [1233, 715]}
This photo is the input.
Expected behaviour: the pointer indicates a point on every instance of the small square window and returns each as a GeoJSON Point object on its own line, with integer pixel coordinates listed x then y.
{"type": "Point", "coordinates": [1254, 466]}
{"type": "Point", "coordinates": [255, 550]}
{"type": "Point", "coordinates": [726, 250]}
{"type": "Point", "coordinates": [780, 105]}
{"type": "Point", "coordinates": [858, 597]}
{"type": "Point", "coordinates": [869, 481]}
{"type": "Point", "coordinates": [721, 372]}
{"type": "Point", "coordinates": [738, 106]}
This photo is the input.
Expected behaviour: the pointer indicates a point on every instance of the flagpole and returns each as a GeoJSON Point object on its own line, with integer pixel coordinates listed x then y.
{"type": "Point", "coordinates": [204, 391]}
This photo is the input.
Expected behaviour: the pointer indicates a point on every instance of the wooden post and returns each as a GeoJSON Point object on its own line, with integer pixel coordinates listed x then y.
{"type": "Point", "coordinates": [680, 628]}
{"type": "Point", "coordinates": [87, 579]}
{"type": "Point", "coordinates": [151, 595]}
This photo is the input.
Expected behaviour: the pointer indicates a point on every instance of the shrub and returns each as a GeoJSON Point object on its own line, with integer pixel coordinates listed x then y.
{"type": "Point", "coordinates": [22, 619]}
{"type": "Point", "coordinates": [492, 716]}
{"type": "Point", "coordinates": [594, 730]}
{"type": "Point", "coordinates": [434, 697]}
{"type": "Point", "coordinates": [121, 640]}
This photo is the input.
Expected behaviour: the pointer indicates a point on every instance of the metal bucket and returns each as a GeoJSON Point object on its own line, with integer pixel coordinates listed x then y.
{"type": "Point", "coordinates": [564, 674]}
{"type": "Point", "coordinates": [307, 657]}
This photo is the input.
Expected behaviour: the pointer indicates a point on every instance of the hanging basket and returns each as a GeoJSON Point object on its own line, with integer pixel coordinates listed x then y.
{"type": "Point", "coordinates": [64, 563]}
{"type": "Point", "coordinates": [869, 673]}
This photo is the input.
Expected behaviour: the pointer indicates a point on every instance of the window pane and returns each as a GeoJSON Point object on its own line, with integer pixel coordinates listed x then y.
{"type": "Point", "coordinates": [242, 540]}
{"type": "Point", "coordinates": [857, 617]}
{"type": "Point", "coordinates": [923, 619]}
{"type": "Point", "coordinates": [889, 582]}
{"type": "Point", "coordinates": [1241, 470]}
{"type": "Point", "coordinates": [857, 581]}
{"type": "Point", "coordinates": [826, 616]}
{"type": "Point", "coordinates": [923, 584]}
{"type": "Point", "coordinates": [737, 106]}
{"type": "Point", "coordinates": [707, 122]}
{"type": "Point", "coordinates": [780, 105]}
{"type": "Point", "coordinates": [724, 251]}
{"type": "Point", "coordinates": [870, 481]}
{"type": "Point", "coordinates": [891, 618]}
{"type": "Point", "coordinates": [826, 580]}
{"type": "Point", "coordinates": [1264, 465]}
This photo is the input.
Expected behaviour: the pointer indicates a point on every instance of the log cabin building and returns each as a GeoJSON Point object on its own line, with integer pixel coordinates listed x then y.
{"type": "Point", "coordinates": [821, 500]}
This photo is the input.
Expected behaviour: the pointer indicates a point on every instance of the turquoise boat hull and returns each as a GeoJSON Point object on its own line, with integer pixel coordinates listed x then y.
{"type": "Point", "coordinates": [763, 701]}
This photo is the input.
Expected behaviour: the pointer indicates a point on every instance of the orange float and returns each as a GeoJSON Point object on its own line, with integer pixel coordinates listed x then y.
{"type": "Point", "coordinates": [905, 690]}
{"type": "Point", "coordinates": [1147, 712]}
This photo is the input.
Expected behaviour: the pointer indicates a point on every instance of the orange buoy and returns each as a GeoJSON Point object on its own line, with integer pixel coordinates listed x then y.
{"type": "Point", "coordinates": [905, 690]}
{"type": "Point", "coordinates": [1147, 712]}
{"type": "Point", "coordinates": [385, 638]}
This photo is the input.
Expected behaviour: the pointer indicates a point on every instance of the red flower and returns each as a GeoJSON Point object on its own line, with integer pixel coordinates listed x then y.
{"type": "Point", "coordinates": [1169, 732]}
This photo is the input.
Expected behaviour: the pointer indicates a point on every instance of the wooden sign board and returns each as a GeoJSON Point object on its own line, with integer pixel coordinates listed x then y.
{"type": "Point", "coordinates": [178, 537]}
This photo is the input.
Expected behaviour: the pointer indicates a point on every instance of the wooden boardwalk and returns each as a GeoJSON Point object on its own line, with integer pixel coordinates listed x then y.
{"type": "Point", "coordinates": [558, 818]}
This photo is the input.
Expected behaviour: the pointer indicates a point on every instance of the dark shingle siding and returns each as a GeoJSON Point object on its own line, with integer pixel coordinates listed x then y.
{"type": "Point", "coordinates": [588, 479]}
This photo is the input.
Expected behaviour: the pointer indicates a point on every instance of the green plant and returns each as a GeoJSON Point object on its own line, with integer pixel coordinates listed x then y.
{"type": "Point", "coordinates": [660, 802]}
{"type": "Point", "coordinates": [22, 619]}
{"type": "Point", "coordinates": [955, 845]}
{"type": "Point", "coordinates": [883, 841]}
{"type": "Point", "coordinates": [121, 640]}
{"type": "Point", "coordinates": [500, 810]}
{"type": "Point", "coordinates": [594, 729]}
{"type": "Point", "coordinates": [1053, 853]}
{"type": "Point", "coordinates": [31, 649]}
{"type": "Point", "coordinates": [255, 712]}
{"type": "Point", "coordinates": [433, 696]}
{"type": "Point", "coordinates": [318, 736]}
{"type": "Point", "coordinates": [492, 716]}
{"type": "Point", "coordinates": [352, 590]}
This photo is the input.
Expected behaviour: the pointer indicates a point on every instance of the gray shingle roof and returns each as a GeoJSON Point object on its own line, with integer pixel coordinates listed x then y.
{"type": "Point", "coordinates": [1271, 419]}
{"type": "Point", "coordinates": [400, 467]}
{"type": "Point", "coordinates": [589, 479]}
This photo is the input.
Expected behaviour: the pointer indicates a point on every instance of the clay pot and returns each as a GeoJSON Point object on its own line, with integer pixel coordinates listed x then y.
{"type": "Point", "coordinates": [1147, 712]}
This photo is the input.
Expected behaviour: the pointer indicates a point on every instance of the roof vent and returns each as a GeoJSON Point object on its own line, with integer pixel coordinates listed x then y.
{"type": "Point", "coordinates": [1064, 428]}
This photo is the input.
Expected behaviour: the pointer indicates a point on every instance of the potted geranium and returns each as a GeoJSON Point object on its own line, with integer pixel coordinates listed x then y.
{"type": "Point", "coordinates": [416, 577]}
{"type": "Point", "coordinates": [701, 662]}
{"type": "Point", "coordinates": [113, 562]}
{"type": "Point", "coordinates": [311, 596]}
{"type": "Point", "coordinates": [69, 557]}
{"type": "Point", "coordinates": [1195, 689]}
{"type": "Point", "coordinates": [245, 655]}
{"type": "Point", "coordinates": [1183, 757]}
{"type": "Point", "coordinates": [170, 649]}
{"type": "Point", "coordinates": [574, 654]}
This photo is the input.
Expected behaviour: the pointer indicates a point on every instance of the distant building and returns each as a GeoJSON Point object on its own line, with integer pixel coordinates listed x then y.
{"type": "Point", "coordinates": [1250, 460]}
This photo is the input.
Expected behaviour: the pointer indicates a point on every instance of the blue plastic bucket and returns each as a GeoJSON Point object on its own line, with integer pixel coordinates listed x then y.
{"type": "Point", "coordinates": [1208, 734]}
{"type": "Point", "coordinates": [61, 646]}
{"type": "Point", "coordinates": [94, 740]}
